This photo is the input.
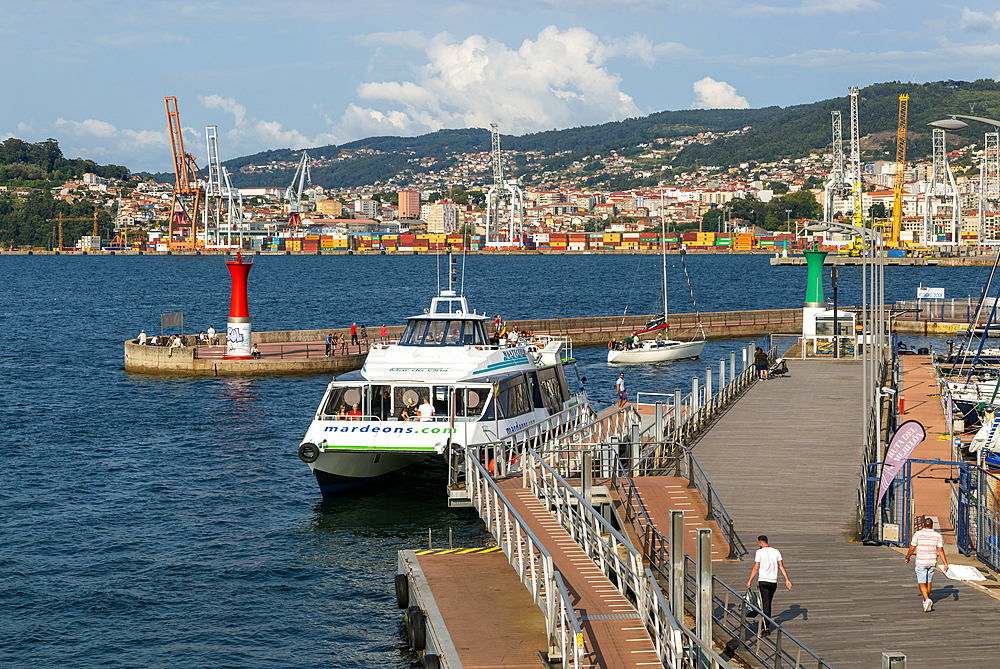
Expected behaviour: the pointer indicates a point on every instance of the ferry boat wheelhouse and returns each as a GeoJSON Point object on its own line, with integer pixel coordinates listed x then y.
{"type": "Point", "coordinates": [441, 384]}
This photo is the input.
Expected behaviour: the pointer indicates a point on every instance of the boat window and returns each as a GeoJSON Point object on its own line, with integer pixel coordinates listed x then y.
{"type": "Point", "coordinates": [414, 333]}
{"type": "Point", "coordinates": [346, 397]}
{"type": "Point", "coordinates": [513, 398]}
{"type": "Point", "coordinates": [470, 402]}
{"type": "Point", "coordinates": [381, 402]}
{"type": "Point", "coordinates": [409, 397]}
{"type": "Point", "coordinates": [453, 337]}
{"type": "Point", "coordinates": [440, 401]}
{"type": "Point", "coordinates": [548, 382]}
{"type": "Point", "coordinates": [435, 333]}
{"type": "Point", "coordinates": [472, 335]}
{"type": "Point", "coordinates": [563, 386]}
{"type": "Point", "coordinates": [536, 395]}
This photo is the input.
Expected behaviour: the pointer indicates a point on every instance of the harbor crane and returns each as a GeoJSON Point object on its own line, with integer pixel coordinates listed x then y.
{"type": "Point", "coordinates": [838, 185]}
{"type": "Point", "coordinates": [858, 183]}
{"type": "Point", "coordinates": [189, 192]}
{"type": "Point", "coordinates": [222, 201]}
{"type": "Point", "coordinates": [503, 196]}
{"type": "Point", "coordinates": [60, 219]}
{"type": "Point", "coordinates": [293, 195]}
{"type": "Point", "coordinates": [897, 181]}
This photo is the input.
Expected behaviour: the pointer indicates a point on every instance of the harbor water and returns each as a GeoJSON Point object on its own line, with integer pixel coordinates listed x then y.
{"type": "Point", "coordinates": [154, 521]}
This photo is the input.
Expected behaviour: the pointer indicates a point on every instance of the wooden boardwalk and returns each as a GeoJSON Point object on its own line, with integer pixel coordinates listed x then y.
{"type": "Point", "coordinates": [614, 636]}
{"type": "Point", "coordinates": [785, 460]}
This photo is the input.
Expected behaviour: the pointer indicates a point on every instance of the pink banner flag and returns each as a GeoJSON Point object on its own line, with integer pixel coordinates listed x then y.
{"type": "Point", "coordinates": [907, 438]}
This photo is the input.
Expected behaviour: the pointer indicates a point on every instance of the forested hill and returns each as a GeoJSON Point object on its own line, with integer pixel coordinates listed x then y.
{"type": "Point", "coordinates": [42, 163]}
{"type": "Point", "coordinates": [776, 133]}
{"type": "Point", "coordinates": [800, 129]}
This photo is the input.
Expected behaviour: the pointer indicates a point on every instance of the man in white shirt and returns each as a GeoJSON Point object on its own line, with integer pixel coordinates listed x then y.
{"type": "Point", "coordinates": [766, 563]}
{"type": "Point", "coordinates": [622, 395]}
{"type": "Point", "coordinates": [211, 335]}
{"type": "Point", "coordinates": [426, 411]}
{"type": "Point", "coordinates": [928, 545]}
{"type": "Point", "coordinates": [142, 338]}
{"type": "Point", "coordinates": [513, 337]}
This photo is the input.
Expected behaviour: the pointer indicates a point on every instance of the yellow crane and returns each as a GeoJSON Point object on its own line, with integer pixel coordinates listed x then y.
{"type": "Point", "coordinates": [61, 219]}
{"type": "Point", "coordinates": [897, 197]}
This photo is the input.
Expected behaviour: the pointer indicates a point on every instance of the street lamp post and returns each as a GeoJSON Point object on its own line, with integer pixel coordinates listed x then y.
{"type": "Point", "coordinates": [788, 220]}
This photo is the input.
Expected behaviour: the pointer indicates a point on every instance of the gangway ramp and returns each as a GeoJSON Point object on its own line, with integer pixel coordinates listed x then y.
{"type": "Point", "coordinates": [658, 496]}
{"type": "Point", "coordinates": [614, 633]}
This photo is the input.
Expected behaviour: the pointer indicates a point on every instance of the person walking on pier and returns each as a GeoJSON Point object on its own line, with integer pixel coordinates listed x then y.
{"type": "Point", "coordinates": [329, 345]}
{"type": "Point", "coordinates": [354, 333]}
{"type": "Point", "coordinates": [760, 362]}
{"type": "Point", "coordinates": [766, 563]}
{"type": "Point", "coordinates": [622, 393]}
{"type": "Point", "coordinates": [928, 545]}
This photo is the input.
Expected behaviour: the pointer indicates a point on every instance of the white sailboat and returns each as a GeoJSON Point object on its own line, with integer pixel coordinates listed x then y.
{"type": "Point", "coordinates": [658, 349]}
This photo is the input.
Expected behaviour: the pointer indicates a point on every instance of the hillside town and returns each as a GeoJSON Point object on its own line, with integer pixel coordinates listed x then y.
{"type": "Point", "coordinates": [443, 204]}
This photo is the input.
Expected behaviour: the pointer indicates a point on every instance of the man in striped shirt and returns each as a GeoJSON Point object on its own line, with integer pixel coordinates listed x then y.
{"type": "Point", "coordinates": [928, 545]}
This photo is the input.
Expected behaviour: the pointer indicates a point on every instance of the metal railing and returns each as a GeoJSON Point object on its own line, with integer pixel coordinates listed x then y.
{"type": "Point", "coordinates": [533, 564]}
{"type": "Point", "coordinates": [632, 323]}
{"type": "Point", "coordinates": [683, 417]}
{"type": "Point", "coordinates": [620, 562]}
{"type": "Point", "coordinates": [290, 350]}
{"type": "Point", "coordinates": [955, 310]}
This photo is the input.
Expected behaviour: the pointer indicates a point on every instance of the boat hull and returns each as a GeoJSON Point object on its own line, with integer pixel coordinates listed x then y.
{"type": "Point", "coordinates": [339, 472]}
{"type": "Point", "coordinates": [681, 350]}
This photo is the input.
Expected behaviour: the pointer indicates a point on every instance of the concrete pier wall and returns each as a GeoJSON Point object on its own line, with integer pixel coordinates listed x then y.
{"type": "Point", "coordinates": [160, 360]}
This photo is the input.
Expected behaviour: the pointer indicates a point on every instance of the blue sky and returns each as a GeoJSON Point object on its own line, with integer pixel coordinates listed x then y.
{"type": "Point", "coordinates": [299, 73]}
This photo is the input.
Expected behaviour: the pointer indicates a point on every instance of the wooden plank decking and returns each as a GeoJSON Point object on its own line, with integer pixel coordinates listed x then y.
{"type": "Point", "coordinates": [614, 635]}
{"type": "Point", "coordinates": [488, 612]}
{"type": "Point", "coordinates": [785, 460]}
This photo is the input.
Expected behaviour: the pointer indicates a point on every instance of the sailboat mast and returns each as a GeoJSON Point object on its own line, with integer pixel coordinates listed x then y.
{"type": "Point", "coordinates": [663, 252]}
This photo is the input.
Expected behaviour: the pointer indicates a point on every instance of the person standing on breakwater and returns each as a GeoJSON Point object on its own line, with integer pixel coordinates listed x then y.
{"type": "Point", "coordinates": [766, 563]}
{"type": "Point", "coordinates": [354, 333]}
{"type": "Point", "coordinates": [622, 393]}
{"type": "Point", "coordinates": [928, 545]}
{"type": "Point", "coordinates": [211, 336]}
{"type": "Point", "coordinates": [383, 334]}
{"type": "Point", "coordinates": [329, 345]}
{"type": "Point", "coordinates": [142, 338]}
{"type": "Point", "coordinates": [364, 333]}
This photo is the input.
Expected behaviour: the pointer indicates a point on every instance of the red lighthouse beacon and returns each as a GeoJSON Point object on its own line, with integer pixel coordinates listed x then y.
{"type": "Point", "coordinates": [238, 326]}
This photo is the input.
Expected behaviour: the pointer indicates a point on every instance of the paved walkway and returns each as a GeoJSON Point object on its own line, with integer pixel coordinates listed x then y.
{"type": "Point", "coordinates": [614, 636]}
{"type": "Point", "coordinates": [785, 460]}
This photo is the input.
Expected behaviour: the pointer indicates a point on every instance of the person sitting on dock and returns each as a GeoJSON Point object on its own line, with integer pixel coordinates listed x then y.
{"type": "Point", "coordinates": [202, 337]}
{"type": "Point", "coordinates": [254, 351]}
{"type": "Point", "coordinates": [426, 411]}
{"type": "Point", "coordinates": [175, 342]}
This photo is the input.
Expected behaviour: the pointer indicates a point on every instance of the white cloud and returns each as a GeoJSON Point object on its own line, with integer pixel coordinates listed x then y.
{"type": "Point", "coordinates": [712, 94]}
{"type": "Point", "coordinates": [555, 80]}
{"type": "Point", "coordinates": [251, 134]}
{"type": "Point", "coordinates": [817, 7]}
{"type": "Point", "coordinates": [979, 21]}
{"type": "Point", "coordinates": [89, 127]}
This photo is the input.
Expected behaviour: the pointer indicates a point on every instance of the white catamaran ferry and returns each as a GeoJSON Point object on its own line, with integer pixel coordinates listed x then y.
{"type": "Point", "coordinates": [441, 384]}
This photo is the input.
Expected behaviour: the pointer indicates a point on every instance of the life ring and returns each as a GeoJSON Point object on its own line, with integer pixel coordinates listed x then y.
{"type": "Point", "coordinates": [416, 630]}
{"type": "Point", "coordinates": [402, 591]}
{"type": "Point", "coordinates": [308, 453]}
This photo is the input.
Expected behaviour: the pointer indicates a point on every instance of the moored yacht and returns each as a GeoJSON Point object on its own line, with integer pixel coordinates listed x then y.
{"type": "Point", "coordinates": [441, 384]}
